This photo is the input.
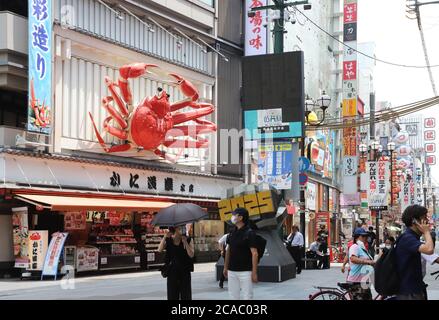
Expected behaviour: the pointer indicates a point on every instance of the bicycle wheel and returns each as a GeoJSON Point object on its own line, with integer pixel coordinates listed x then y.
{"type": "Point", "coordinates": [327, 295]}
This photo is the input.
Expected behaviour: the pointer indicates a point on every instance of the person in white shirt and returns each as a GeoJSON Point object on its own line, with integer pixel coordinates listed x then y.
{"type": "Point", "coordinates": [295, 246]}
{"type": "Point", "coordinates": [222, 246]}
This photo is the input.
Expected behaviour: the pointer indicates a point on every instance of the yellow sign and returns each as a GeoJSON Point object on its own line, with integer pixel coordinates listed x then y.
{"type": "Point", "coordinates": [349, 108]}
{"type": "Point", "coordinates": [256, 204]}
{"type": "Point", "coordinates": [276, 147]}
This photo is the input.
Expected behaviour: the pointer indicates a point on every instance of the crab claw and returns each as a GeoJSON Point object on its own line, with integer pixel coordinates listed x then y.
{"type": "Point", "coordinates": [186, 87]}
{"type": "Point", "coordinates": [135, 70]}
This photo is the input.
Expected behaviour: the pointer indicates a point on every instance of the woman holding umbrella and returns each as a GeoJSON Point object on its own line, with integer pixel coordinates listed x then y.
{"type": "Point", "coordinates": [179, 247]}
{"type": "Point", "coordinates": [179, 254]}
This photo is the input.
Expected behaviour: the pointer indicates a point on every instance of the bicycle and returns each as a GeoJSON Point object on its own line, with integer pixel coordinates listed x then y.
{"type": "Point", "coordinates": [345, 292]}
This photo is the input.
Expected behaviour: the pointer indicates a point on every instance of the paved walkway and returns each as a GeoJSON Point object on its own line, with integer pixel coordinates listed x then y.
{"type": "Point", "coordinates": [151, 286]}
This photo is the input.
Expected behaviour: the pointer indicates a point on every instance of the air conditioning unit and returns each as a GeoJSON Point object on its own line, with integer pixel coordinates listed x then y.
{"type": "Point", "coordinates": [32, 140]}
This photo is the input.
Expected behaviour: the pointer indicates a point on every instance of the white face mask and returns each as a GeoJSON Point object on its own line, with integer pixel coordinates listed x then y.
{"type": "Point", "coordinates": [234, 219]}
{"type": "Point", "coordinates": [360, 243]}
{"type": "Point", "coordinates": [388, 246]}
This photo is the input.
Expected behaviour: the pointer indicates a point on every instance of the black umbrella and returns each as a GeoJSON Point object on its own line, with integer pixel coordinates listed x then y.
{"type": "Point", "coordinates": [179, 214]}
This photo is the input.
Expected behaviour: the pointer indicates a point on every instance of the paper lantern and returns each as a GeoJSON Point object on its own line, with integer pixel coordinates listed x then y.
{"type": "Point", "coordinates": [404, 150]}
{"type": "Point", "coordinates": [402, 137]}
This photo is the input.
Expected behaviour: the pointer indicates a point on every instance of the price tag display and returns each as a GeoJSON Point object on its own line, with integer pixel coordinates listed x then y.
{"type": "Point", "coordinates": [104, 261]}
{"type": "Point", "coordinates": [151, 257]}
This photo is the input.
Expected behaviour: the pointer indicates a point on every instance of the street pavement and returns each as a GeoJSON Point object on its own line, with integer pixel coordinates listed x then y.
{"type": "Point", "coordinates": [151, 286]}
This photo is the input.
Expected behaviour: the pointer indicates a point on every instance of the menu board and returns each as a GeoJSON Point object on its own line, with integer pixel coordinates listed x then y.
{"type": "Point", "coordinates": [75, 220]}
{"type": "Point", "coordinates": [87, 259]}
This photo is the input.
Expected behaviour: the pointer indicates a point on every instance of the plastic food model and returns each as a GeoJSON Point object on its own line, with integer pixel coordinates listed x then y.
{"type": "Point", "coordinates": [154, 122]}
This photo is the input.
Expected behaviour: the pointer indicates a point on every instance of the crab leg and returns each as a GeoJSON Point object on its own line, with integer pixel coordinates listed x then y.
{"type": "Point", "coordinates": [111, 86]}
{"type": "Point", "coordinates": [116, 116]}
{"type": "Point", "coordinates": [115, 148]}
{"type": "Point", "coordinates": [126, 72]}
{"type": "Point", "coordinates": [191, 115]}
{"type": "Point", "coordinates": [118, 133]}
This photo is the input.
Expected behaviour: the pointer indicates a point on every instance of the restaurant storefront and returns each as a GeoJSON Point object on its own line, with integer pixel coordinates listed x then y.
{"type": "Point", "coordinates": [106, 209]}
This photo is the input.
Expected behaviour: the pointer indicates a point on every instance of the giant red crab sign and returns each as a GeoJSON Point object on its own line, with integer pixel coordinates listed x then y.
{"type": "Point", "coordinates": [155, 121]}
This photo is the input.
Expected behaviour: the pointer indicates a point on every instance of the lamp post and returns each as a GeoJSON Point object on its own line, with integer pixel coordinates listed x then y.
{"type": "Point", "coordinates": [377, 149]}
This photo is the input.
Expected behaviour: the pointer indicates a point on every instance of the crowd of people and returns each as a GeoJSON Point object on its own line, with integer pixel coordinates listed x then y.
{"type": "Point", "coordinates": [413, 250]}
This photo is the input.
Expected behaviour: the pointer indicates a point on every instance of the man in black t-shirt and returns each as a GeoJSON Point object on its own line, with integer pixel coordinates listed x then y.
{"type": "Point", "coordinates": [241, 263]}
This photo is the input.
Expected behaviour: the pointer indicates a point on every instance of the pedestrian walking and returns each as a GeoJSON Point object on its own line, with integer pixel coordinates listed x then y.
{"type": "Point", "coordinates": [346, 258]}
{"type": "Point", "coordinates": [295, 246]}
{"type": "Point", "coordinates": [179, 264]}
{"type": "Point", "coordinates": [361, 269]}
{"type": "Point", "coordinates": [241, 264]}
{"type": "Point", "coordinates": [222, 246]}
{"type": "Point", "coordinates": [408, 253]}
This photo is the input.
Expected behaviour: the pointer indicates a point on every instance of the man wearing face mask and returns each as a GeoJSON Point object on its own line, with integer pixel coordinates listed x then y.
{"type": "Point", "coordinates": [241, 263]}
{"type": "Point", "coordinates": [408, 253]}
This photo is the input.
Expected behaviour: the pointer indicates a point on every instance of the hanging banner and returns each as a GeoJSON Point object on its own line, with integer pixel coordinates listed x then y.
{"type": "Point", "coordinates": [378, 186]}
{"type": "Point", "coordinates": [20, 231]}
{"type": "Point", "coordinates": [38, 241]}
{"type": "Point", "coordinates": [275, 165]}
{"type": "Point", "coordinates": [40, 66]}
{"type": "Point", "coordinates": [50, 267]}
{"type": "Point", "coordinates": [255, 32]}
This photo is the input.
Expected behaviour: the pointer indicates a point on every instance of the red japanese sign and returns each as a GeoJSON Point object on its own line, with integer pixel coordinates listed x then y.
{"type": "Point", "coordinates": [350, 13]}
{"type": "Point", "coordinates": [429, 135]}
{"type": "Point", "coordinates": [430, 147]}
{"type": "Point", "coordinates": [430, 123]}
{"type": "Point", "coordinates": [349, 70]}
{"type": "Point", "coordinates": [255, 33]}
{"type": "Point", "coordinates": [430, 160]}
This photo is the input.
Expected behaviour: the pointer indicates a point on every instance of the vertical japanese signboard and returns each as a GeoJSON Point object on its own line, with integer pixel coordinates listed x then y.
{"type": "Point", "coordinates": [40, 66]}
{"type": "Point", "coordinates": [38, 241]}
{"type": "Point", "coordinates": [405, 195]}
{"type": "Point", "coordinates": [350, 93]}
{"type": "Point", "coordinates": [255, 32]}
{"type": "Point", "coordinates": [430, 137]}
{"type": "Point", "coordinates": [378, 185]}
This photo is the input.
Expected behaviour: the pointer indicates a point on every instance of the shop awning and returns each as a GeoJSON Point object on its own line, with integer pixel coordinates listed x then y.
{"type": "Point", "coordinates": [74, 203]}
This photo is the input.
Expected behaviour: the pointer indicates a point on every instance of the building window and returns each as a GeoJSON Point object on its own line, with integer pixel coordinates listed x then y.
{"type": "Point", "coordinates": [16, 6]}
{"type": "Point", "coordinates": [208, 2]}
{"type": "Point", "coordinates": [13, 108]}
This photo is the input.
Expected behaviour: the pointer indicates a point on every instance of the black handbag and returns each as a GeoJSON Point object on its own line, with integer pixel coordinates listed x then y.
{"type": "Point", "coordinates": [165, 270]}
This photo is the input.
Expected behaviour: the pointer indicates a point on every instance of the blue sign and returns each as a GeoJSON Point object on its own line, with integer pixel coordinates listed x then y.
{"type": "Point", "coordinates": [261, 124]}
{"type": "Point", "coordinates": [275, 165]}
{"type": "Point", "coordinates": [40, 66]}
{"type": "Point", "coordinates": [304, 164]}
{"type": "Point", "coordinates": [50, 267]}
{"type": "Point", "coordinates": [303, 179]}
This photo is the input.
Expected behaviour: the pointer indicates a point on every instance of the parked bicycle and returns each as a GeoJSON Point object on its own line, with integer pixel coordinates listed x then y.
{"type": "Point", "coordinates": [344, 292]}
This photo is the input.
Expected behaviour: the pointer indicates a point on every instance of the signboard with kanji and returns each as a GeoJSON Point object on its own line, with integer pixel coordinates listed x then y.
{"type": "Point", "coordinates": [430, 147]}
{"type": "Point", "coordinates": [430, 123]}
{"type": "Point", "coordinates": [350, 32]}
{"type": "Point", "coordinates": [40, 66]}
{"type": "Point", "coordinates": [350, 107]}
{"type": "Point", "coordinates": [255, 32]}
{"type": "Point", "coordinates": [349, 70]}
{"type": "Point", "coordinates": [350, 13]}
{"type": "Point", "coordinates": [429, 135]}
{"type": "Point", "coordinates": [430, 160]}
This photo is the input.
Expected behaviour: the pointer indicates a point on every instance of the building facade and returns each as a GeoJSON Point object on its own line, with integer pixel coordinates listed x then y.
{"type": "Point", "coordinates": [91, 40]}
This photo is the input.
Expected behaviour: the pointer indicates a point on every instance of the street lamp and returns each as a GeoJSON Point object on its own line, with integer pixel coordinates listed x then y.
{"type": "Point", "coordinates": [323, 103]}
{"type": "Point", "coordinates": [363, 148]}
